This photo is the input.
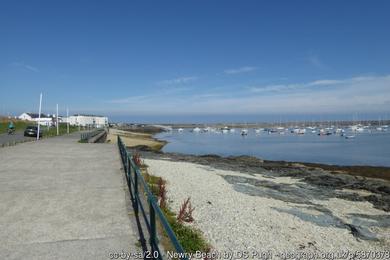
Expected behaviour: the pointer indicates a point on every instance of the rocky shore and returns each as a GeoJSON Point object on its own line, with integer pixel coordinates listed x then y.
{"type": "Point", "coordinates": [248, 204]}
{"type": "Point", "coordinates": [245, 203]}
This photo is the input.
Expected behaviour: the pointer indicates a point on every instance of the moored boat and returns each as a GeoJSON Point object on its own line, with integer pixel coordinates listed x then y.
{"type": "Point", "coordinates": [244, 132]}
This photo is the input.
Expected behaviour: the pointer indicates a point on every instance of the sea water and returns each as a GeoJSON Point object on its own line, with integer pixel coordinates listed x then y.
{"type": "Point", "coordinates": [365, 149]}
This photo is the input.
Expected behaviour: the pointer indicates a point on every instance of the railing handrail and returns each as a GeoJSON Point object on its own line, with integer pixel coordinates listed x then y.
{"type": "Point", "coordinates": [88, 135]}
{"type": "Point", "coordinates": [134, 177]}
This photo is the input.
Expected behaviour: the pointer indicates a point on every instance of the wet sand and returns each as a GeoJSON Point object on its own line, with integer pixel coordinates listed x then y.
{"type": "Point", "coordinates": [135, 139]}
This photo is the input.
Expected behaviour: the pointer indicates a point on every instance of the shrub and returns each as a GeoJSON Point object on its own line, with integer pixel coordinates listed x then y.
{"type": "Point", "coordinates": [162, 193]}
{"type": "Point", "coordinates": [185, 213]}
{"type": "Point", "coordinates": [137, 159]}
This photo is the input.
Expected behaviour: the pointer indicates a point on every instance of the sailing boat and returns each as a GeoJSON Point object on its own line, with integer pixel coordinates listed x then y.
{"type": "Point", "coordinates": [244, 132]}
{"type": "Point", "coordinates": [379, 128]}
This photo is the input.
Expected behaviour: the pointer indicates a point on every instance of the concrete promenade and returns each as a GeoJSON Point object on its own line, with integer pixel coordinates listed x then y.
{"type": "Point", "coordinates": [60, 199]}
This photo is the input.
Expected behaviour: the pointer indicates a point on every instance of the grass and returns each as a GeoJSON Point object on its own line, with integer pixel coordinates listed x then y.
{"type": "Point", "coordinates": [19, 125]}
{"type": "Point", "coordinates": [190, 238]}
{"type": "Point", "coordinates": [52, 131]}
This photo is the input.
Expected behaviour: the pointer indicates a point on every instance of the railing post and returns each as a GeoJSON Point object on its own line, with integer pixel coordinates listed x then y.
{"type": "Point", "coordinates": [153, 233]}
{"type": "Point", "coordinates": [129, 179]}
{"type": "Point", "coordinates": [128, 168]}
{"type": "Point", "coordinates": [126, 163]}
{"type": "Point", "coordinates": [136, 191]}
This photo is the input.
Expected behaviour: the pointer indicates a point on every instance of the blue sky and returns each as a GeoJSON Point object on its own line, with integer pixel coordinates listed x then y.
{"type": "Point", "coordinates": [194, 60]}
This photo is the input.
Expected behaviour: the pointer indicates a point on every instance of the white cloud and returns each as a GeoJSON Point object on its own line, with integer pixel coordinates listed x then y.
{"type": "Point", "coordinates": [276, 88]}
{"type": "Point", "coordinates": [351, 95]}
{"type": "Point", "coordinates": [240, 70]}
{"type": "Point", "coordinates": [303, 86]}
{"type": "Point", "coordinates": [315, 60]}
{"type": "Point", "coordinates": [325, 82]}
{"type": "Point", "coordinates": [23, 65]}
{"type": "Point", "coordinates": [181, 80]}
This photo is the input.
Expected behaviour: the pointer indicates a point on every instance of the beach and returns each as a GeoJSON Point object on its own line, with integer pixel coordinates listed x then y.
{"type": "Point", "coordinates": [135, 139]}
{"type": "Point", "coordinates": [275, 208]}
{"type": "Point", "coordinates": [260, 210]}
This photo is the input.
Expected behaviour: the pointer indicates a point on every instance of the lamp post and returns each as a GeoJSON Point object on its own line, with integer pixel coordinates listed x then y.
{"type": "Point", "coordinates": [39, 115]}
{"type": "Point", "coordinates": [67, 120]}
{"type": "Point", "coordinates": [58, 130]}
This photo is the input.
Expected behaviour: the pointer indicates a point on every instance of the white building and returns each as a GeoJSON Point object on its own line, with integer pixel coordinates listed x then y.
{"type": "Point", "coordinates": [87, 120]}
{"type": "Point", "coordinates": [45, 120]}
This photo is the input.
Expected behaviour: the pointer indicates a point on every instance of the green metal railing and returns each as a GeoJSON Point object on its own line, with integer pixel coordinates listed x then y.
{"type": "Point", "coordinates": [88, 135]}
{"type": "Point", "coordinates": [134, 180]}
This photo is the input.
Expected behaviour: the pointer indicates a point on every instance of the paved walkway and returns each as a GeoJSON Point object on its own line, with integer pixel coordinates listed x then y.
{"type": "Point", "coordinates": [14, 138]}
{"type": "Point", "coordinates": [60, 199]}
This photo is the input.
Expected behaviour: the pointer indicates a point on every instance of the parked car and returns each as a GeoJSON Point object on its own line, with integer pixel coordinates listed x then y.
{"type": "Point", "coordinates": [32, 131]}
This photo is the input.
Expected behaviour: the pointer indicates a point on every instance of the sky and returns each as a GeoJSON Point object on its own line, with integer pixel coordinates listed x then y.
{"type": "Point", "coordinates": [193, 61]}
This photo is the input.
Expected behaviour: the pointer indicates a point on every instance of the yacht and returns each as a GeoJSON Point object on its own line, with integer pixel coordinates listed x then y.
{"type": "Point", "coordinates": [206, 129]}
{"type": "Point", "coordinates": [244, 132]}
{"type": "Point", "coordinates": [225, 130]}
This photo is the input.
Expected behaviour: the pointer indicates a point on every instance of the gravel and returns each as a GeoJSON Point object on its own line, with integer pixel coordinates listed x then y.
{"type": "Point", "coordinates": [238, 215]}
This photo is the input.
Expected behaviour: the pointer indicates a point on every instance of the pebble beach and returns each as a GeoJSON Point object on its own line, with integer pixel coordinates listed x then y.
{"type": "Point", "coordinates": [266, 212]}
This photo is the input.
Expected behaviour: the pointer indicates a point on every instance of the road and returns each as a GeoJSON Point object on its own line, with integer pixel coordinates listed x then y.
{"type": "Point", "coordinates": [61, 199]}
{"type": "Point", "coordinates": [16, 137]}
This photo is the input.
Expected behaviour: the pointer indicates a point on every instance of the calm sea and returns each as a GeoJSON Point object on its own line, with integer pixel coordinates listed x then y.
{"type": "Point", "coordinates": [365, 149]}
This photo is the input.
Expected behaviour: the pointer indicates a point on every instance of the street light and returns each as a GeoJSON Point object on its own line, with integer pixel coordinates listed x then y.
{"type": "Point", "coordinates": [39, 115]}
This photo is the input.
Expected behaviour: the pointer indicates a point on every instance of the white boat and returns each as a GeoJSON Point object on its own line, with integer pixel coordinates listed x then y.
{"type": "Point", "coordinates": [196, 130]}
{"type": "Point", "coordinates": [180, 130]}
{"type": "Point", "coordinates": [244, 132]}
{"type": "Point", "coordinates": [299, 131]}
{"type": "Point", "coordinates": [360, 129]}
{"type": "Point", "coordinates": [232, 130]}
{"type": "Point", "coordinates": [206, 129]}
{"type": "Point", "coordinates": [349, 137]}
{"type": "Point", "coordinates": [225, 130]}
{"type": "Point", "coordinates": [354, 127]}
{"type": "Point", "coordinates": [357, 128]}
{"type": "Point", "coordinates": [257, 131]}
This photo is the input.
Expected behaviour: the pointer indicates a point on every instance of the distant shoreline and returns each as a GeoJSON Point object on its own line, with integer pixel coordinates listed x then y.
{"type": "Point", "coordinates": [149, 143]}
{"type": "Point", "coordinates": [339, 123]}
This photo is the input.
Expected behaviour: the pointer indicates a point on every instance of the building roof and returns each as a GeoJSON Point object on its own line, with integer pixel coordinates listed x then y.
{"type": "Point", "coordinates": [88, 115]}
{"type": "Point", "coordinates": [36, 115]}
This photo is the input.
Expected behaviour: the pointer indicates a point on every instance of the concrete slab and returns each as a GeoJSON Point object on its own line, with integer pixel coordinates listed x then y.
{"type": "Point", "coordinates": [60, 199]}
